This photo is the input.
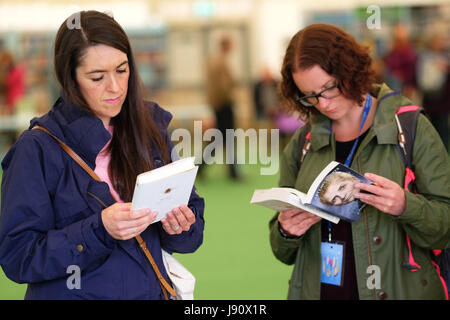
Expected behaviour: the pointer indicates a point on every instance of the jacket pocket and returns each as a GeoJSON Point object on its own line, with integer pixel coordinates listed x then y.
{"type": "Point", "coordinates": [296, 281]}
{"type": "Point", "coordinates": [105, 281]}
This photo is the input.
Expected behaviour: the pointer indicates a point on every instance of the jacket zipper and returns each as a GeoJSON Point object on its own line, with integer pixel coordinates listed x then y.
{"type": "Point", "coordinates": [97, 198]}
{"type": "Point", "coordinates": [366, 226]}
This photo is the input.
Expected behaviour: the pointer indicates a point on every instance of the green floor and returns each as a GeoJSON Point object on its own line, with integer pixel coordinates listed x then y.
{"type": "Point", "coordinates": [235, 260]}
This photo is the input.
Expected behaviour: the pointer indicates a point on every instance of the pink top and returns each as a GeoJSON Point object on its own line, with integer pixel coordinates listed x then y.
{"type": "Point", "coordinates": [102, 164]}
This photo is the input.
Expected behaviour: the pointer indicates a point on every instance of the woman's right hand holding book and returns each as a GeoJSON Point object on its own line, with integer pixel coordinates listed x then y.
{"type": "Point", "coordinates": [122, 223]}
{"type": "Point", "coordinates": [295, 222]}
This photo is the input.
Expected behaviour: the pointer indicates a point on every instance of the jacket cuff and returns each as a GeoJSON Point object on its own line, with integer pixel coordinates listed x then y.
{"type": "Point", "coordinates": [287, 236]}
{"type": "Point", "coordinates": [187, 241]}
{"type": "Point", "coordinates": [102, 234]}
{"type": "Point", "coordinates": [83, 242]}
{"type": "Point", "coordinates": [279, 236]}
{"type": "Point", "coordinates": [412, 213]}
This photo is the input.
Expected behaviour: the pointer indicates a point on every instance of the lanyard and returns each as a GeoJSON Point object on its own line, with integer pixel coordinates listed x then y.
{"type": "Point", "coordinates": [364, 117]}
{"type": "Point", "coordinates": [348, 161]}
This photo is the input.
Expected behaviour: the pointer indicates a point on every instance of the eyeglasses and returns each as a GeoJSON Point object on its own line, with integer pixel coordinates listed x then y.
{"type": "Point", "coordinates": [328, 93]}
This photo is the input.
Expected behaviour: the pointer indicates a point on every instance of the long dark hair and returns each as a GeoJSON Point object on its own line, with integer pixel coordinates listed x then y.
{"type": "Point", "coordinates": [135, 131]}
{"type": "Point", "coordinates": [337, 53]}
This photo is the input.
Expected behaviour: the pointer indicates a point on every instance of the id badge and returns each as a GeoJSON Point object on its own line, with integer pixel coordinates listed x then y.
{"type": "Point", "coordinates": [332, 266]}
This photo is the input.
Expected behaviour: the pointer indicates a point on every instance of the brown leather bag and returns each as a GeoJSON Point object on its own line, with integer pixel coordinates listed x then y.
{"type": "Point", "coordinates": [165, 286]}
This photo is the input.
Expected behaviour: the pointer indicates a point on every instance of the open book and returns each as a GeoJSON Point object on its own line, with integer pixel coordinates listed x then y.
{"type": "Point", "coordinates": [165, 188]}
{"type": "Point", "coordinates": [331, 195]}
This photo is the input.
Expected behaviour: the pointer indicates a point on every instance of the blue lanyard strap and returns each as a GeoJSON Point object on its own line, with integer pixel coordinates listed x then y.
{"type": "Point", "coordinates": [348, 161]}
{"type": "Point", "coordinates": [364, 117]}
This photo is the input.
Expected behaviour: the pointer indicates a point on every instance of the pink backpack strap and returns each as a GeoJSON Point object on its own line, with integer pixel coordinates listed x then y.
{"type": "Point", "coordinates": [306, 147]}
{"type": "Point", "coordinates": [403, 109]}
{"type": "Point", "coordinates": [438, 270]}
{"type": "Point", "coordinates": [402, 136]}
{"type": "Point", "coordinates": [412, 265]}
{"type": "Point", "coordinates": [409, 177]}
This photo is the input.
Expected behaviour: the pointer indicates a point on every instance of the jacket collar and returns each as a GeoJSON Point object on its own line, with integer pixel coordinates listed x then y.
{"type": "Point", "coordinates": [384, 126]}
{"type": "Point", "coordinates": [82, 131]}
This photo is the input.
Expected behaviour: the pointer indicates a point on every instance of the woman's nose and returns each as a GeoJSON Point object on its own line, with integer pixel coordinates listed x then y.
{"type": "Point", "coordinates": [323, 102]}
{"type": "Point", "coordinates": [113, 84]}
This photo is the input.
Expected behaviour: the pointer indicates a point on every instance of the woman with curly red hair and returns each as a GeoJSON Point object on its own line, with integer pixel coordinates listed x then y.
{"type": "Point", "coordinates": [327, 77]}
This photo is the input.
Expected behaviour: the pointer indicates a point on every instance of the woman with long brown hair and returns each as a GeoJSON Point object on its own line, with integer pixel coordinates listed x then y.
{"type": "Point", "coordinates": [55, 218]}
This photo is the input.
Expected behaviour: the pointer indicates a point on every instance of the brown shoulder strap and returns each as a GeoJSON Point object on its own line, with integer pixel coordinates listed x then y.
{"type": "Point", "coordinates": [164, 284]}
{"type": "Point", "coordinates": [72, 154]}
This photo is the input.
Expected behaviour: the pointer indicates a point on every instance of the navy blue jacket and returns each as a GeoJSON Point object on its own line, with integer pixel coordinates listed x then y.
{"type": "Point", "coordinates": [50, 223]}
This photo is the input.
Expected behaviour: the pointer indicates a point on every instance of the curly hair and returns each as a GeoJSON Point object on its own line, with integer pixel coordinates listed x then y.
{"type": "Point", "coordinates": [337, 53]}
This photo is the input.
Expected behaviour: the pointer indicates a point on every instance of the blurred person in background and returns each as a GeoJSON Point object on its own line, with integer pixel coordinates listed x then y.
{"type": "Point", "coordinates": [434, 83]}
{"type": "Point", "coordinates": [265, 95]}
{"type": "Point", "coordinates": [268, 106]}
{"type": "Point", "coordinates": [12, 90]}
{"type": "Point", "coordinates": [4, 70]}
{"type": "Point", "coordinates": [12, 78]}
{"type": "Point", "coordinates": [377, 60]}
{"type": "Point", "coordinates": [220, 85]}
{"type": "Point", "coordinates": [327, 77]}
{"type": "Point", "coordinates": [54, 216]}
{"type": "Point", "coordinates": [401, 63]}
{"type": "Point", "coordinates": [288, 122]}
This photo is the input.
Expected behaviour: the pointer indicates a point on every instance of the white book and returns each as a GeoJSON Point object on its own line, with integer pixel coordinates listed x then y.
{"type": "Point", "coordinates": [281, 199]}
{"type": "Point", "coordinates": [330, 196]}
{"type": "Point", "coordinates": [165, 188]}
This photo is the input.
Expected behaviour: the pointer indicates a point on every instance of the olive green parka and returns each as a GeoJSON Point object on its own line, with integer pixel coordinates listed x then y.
{"type": "Point", "coordinates": [379, 239]}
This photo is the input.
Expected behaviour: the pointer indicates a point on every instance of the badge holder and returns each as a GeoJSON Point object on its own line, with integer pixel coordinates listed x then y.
{"type": "Point", "coordinates": [332, 263]}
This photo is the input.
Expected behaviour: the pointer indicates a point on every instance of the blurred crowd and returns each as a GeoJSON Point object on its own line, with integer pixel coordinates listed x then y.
{"type": "Point", "coordinates": [420, 70]}
{"type": "Point", "coordinates": [422, 73]}
{"type": "Point", "coordinates": [12, 82]}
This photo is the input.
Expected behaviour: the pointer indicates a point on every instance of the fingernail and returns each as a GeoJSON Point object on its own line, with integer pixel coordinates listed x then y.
{"type": "Point", "coordinates": [358, 185]}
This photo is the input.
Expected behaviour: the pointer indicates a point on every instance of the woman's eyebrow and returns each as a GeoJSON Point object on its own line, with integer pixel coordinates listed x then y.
{"type": "Point", "coordinates": [99, 70]}
{"type": "Point", "coordinates": [323, 87]}
{"type": "Point", "coordinates": [327, 84]}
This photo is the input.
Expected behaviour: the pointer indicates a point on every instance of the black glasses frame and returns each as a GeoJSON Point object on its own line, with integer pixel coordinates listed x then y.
{"type": "Point", "coordinates": [304, 100]}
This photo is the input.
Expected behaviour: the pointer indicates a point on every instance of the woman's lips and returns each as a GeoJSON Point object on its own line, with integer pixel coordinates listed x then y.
{"type": "Point", "coordinates": [332, 110]}
{"type": "Point", "coordinates": [114, 100]}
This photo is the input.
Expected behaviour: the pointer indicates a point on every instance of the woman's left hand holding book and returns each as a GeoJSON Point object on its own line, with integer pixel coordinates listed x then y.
{"type": "Point", "coordinates": [295, 222]}
{"type": "Point", "coordinates": [178, 220]}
